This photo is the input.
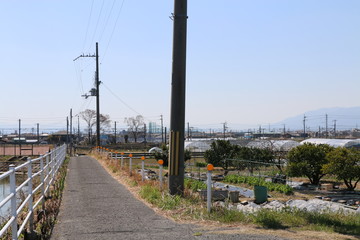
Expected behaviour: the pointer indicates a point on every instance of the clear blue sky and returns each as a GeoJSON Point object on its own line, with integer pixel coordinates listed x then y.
{"type": "Point", "coordinates": [248, 62]}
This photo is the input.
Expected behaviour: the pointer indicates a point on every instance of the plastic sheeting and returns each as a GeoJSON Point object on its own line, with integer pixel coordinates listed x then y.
{"type": "Point", "coordinates": [334, 142]}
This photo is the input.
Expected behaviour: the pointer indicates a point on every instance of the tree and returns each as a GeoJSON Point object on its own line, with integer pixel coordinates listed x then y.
{"type": "Point", "coordinates": [89, 116]}
{"type": "Point", "coordinates": [219, 151]}
{"type": "Point", "coordinates": [135, 124]}
{"type": "Point", "coordinates": [164, 155]}
{"type": "Point", "coordinates": [345, 165]}
{"type": "Point", "coordinates": [253, 157]}
{"type": "Point", "coordinates": [308, 160]}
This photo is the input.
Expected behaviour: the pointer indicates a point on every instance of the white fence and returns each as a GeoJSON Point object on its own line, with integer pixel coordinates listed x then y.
{"type": "Point", "coordinates": [44, 168]}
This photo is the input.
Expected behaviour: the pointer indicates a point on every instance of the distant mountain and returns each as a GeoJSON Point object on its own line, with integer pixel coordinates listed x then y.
{"type": "Point", "coordinates": [341, 118]}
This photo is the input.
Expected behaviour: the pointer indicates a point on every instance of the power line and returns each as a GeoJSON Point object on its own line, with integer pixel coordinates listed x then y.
{"type": "Point", "coordinates": [122, 101]}
{"type": "Point", "coordinates": [88, 24]}
{"type": "Point", "coordinates": [112, 33]}
{"type": "Point", "coordinates": [107, 20]}
{"type": "Point", "coordinates": [97, 23]}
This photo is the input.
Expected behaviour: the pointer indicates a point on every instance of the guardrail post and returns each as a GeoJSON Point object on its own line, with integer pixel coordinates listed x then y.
{"type": "Point", "coordinates": [130, 164]}
{"type": "Point", "coordinates": [161, 162]}
{"type": "Point", "coordinates": [42, 182]}
{"type": "Point", "coordinates": [13, 202]}
{"type": "Point", "coordinates": [47, 170]}
{"type": "Point", "coordinates": [122, 160]}
{"type": "Point", "coordinates": [30, 189]}
{"type": "Point", "coordinates": [142, 168]}
{"type": "Point", "coordinates": [210, 167]}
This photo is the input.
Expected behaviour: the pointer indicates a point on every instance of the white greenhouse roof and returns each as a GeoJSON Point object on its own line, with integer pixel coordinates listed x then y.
{"type": "Point", "coordinates": [197, 146]}
{"type": "Point", "coordinates": [334, 142]}
{"type": "Point", "coordinates": [277, 145]}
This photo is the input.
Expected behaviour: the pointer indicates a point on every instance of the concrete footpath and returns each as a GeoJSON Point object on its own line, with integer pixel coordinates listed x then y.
{"type": "Point", "coordinates": [96, 206]}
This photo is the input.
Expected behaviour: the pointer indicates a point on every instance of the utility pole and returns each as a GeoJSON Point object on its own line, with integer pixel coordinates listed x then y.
{"type": "Point", "coordinates": [97, 98]}
{"type": "Point", "coordinates": [177, 121]}
{"type": "Point", "coordinates": [95, 92]}
{"type": "Point", "coordinates": [284, 130]}
{"type": "Point", "coordinates": [38, 133]}
{"type": "Point", "coordinates": [71, 131]}
{"type": "Point", "coordinates": [326, 126]}
{"type": "Point", "coordinates": [335, 128]}
{"type": "Point", "coordinates": [224, 129]}
{"type": "Point", "coordinates": [19, 137]}
{"type": "Point", "coordinates": [162, 129]}
{"type": "Point", "coordinates": [78, 130]}
{"type": "Point", "coordinates": [67, 130]}
{"type": "Point", "coordinates": [304, 126]}
{"type": "Point", "coordinates": [145, 132]}
{"type": "Point", "coordinates": [115, 133]}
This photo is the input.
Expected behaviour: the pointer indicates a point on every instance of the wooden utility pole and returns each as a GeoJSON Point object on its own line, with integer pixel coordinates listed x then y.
{"type": "Point", "coordinates": [177, 117]}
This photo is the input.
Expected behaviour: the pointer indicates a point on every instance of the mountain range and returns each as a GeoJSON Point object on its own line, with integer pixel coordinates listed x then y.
{"type": "Point", "coordinates": [338, 118]}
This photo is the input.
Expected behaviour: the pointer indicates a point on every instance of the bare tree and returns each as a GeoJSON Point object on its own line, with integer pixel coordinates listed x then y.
{"type": "Point", "coordinates": [135, 124]}
{"type": "Point", "coordinates": [89, 116]}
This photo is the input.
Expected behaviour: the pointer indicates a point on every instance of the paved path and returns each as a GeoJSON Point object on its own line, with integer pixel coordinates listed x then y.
{"type": "Point", "coordinates": [96, 206]}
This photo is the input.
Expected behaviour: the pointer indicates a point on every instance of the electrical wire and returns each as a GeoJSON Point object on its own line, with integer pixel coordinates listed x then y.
{"type": "Point", "coordinates": [122, 101]}
{"type": "Point", "coordinates": [107, 20]}
{"type": "Point", "coordinates": [88, 24]}
{"type": "Point", "coordinates": [113, 30]}
{"type": "Point", "coordinates": [96, 26]}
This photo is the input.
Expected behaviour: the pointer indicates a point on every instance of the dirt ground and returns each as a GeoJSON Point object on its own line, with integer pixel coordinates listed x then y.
{"type": "Point", "coordinates": [26, 150]}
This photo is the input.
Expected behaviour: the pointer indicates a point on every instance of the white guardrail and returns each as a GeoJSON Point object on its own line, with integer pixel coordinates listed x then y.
{"type": "Point", "coordinates": [45, 168]}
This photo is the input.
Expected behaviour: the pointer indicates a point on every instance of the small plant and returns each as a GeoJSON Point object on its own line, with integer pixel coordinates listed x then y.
{"type": "Point", "coordinates": [194, 185]}
{"type": "Point", "coordinates": [258, 181]}
{"type": "Point", "coordinates": [200, 164]}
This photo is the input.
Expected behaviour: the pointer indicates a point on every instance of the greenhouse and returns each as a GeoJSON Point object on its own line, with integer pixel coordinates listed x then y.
{"type": "Point", "coordinates": [276, 145]}
{"type": "Point", "coordinates": [348, 143]}
{"type": "Point", "coordinates": [197, 146]}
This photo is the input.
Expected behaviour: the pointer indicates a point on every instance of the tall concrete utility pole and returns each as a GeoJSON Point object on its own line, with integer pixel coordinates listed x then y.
{"type": "Point", "coordinates": [97, 97]}
{"type": "Point", "coordinates": [71, 131]}
{"type": "Point", "coordinates": [177, 118]}
{"type": "Point", "coordinates": [95, 92]}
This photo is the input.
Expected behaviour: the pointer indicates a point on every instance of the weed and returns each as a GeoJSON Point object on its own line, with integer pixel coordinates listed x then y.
{"type": "Point", "coordinates": [268, 219]}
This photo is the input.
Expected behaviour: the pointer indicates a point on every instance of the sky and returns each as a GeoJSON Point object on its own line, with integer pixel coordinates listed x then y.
{"type": "Point", "coordinates": [248, 62]}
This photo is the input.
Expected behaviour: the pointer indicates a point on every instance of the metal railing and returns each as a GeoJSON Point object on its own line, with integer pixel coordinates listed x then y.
{"type": "Point", "coordinates": [49, 166]}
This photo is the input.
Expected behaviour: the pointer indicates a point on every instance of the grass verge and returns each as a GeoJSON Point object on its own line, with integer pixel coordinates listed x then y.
{"type": "Point", "coordinates": [191, 208]}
